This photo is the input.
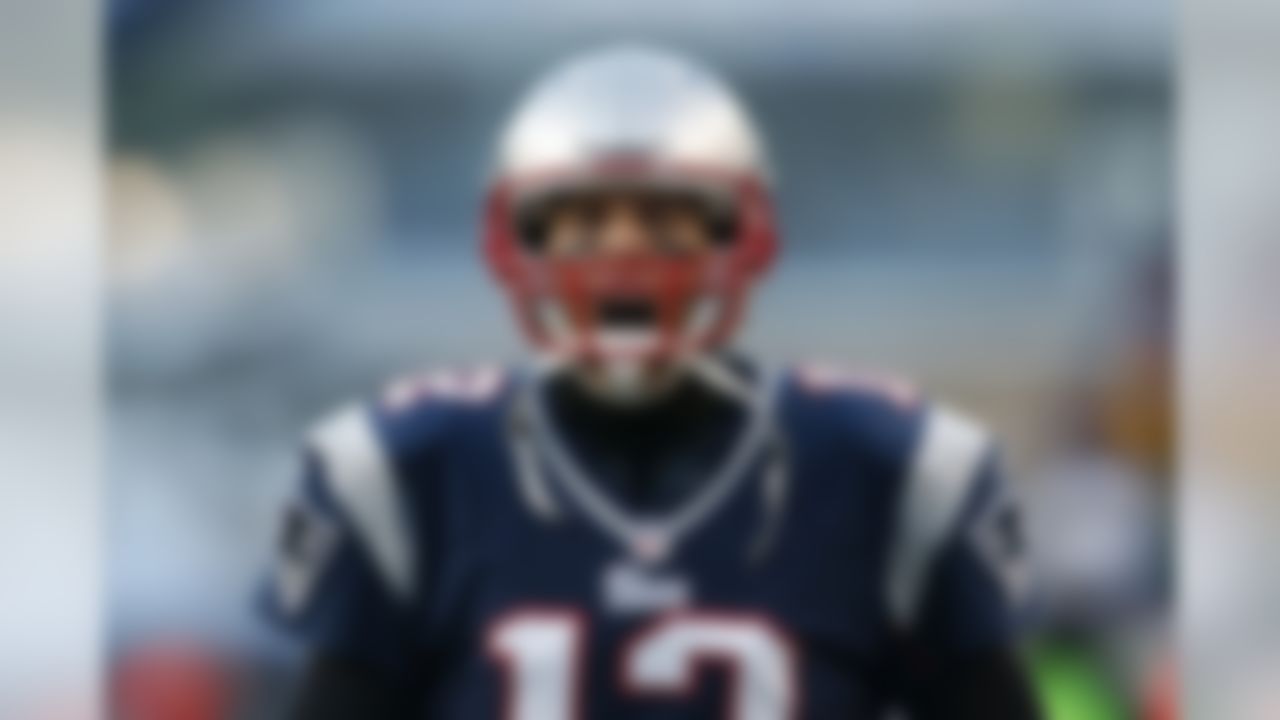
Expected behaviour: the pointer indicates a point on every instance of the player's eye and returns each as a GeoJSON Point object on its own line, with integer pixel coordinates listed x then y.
{"type": "Point", "coordinates": [560, 228]}
{"type": "Point", "coordinates": [680, 225]}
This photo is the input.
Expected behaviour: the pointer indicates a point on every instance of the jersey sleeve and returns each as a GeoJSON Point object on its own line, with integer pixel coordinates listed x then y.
{"type": "Point", "coordinates": [959, 577]}
{"type": "Point", "coordinates": [343, 576]}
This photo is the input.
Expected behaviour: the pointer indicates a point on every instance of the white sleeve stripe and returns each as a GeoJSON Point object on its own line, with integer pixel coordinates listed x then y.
{"type": "Point", "coordinates": [363, 484]}
{"type": "Point", "coordinates": [942, 471]}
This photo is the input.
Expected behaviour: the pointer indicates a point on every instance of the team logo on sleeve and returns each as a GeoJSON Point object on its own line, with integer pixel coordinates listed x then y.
{"type": "Point", "coordinates": [1001, 542]}
{"type": "Point", "coordinates": [307, 541]}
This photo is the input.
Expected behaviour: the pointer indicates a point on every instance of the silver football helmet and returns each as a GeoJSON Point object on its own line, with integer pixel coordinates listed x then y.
{"type": "Point", "coordinates": [630, 101]}
{"type": "Point", "coordinates": [631, 117]}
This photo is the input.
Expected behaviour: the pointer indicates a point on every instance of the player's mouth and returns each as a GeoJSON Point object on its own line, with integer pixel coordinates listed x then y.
{"type": "Point", "coordinates": [627, 314]}
{"type": "Point", "coordinates": [626, 328]}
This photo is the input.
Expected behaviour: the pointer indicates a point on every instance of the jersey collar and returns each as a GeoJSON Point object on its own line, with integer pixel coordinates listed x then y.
{"type": "Point", "coordinates": [646, 537]}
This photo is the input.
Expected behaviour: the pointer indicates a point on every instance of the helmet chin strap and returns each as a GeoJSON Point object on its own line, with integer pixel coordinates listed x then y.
{"type": "Point", "coordinates": [714, 372]}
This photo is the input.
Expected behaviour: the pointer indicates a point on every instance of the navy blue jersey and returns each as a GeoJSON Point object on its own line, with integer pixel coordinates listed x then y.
{"type": "Point", "coordinates": [448, 537]}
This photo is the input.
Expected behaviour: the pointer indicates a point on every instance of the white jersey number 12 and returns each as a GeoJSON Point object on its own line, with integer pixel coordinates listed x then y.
{"type": "Point", "coordinates": [541, 654]}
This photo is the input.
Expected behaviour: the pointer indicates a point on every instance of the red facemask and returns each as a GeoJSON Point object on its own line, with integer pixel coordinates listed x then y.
{"type": "Point", "coordinates": [687, 304]}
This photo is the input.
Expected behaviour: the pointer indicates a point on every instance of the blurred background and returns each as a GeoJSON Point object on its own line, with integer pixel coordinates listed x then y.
{"type": "Point", "coordinates": [973, 195]}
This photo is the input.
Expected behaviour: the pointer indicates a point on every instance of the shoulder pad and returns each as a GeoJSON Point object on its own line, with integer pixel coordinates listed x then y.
{"type": "Point", "coordinates": [944, 465]}
{"type": "Point", "coordinates": [473, 386]}
{"type": "Point", "coordinates": [360, 477]}
{"type": "Point", "coordinates": [828, 379]}
{"type": "Point", "coordinates": [873, 419]}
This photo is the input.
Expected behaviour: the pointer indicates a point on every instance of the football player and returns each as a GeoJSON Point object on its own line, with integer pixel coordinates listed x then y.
{"type": "Point", "coordinates": [644, 523]}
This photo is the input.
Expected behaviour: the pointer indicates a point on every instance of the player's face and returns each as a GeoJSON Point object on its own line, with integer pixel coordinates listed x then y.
{"type": "Point", "coordinates": [616, 224]}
